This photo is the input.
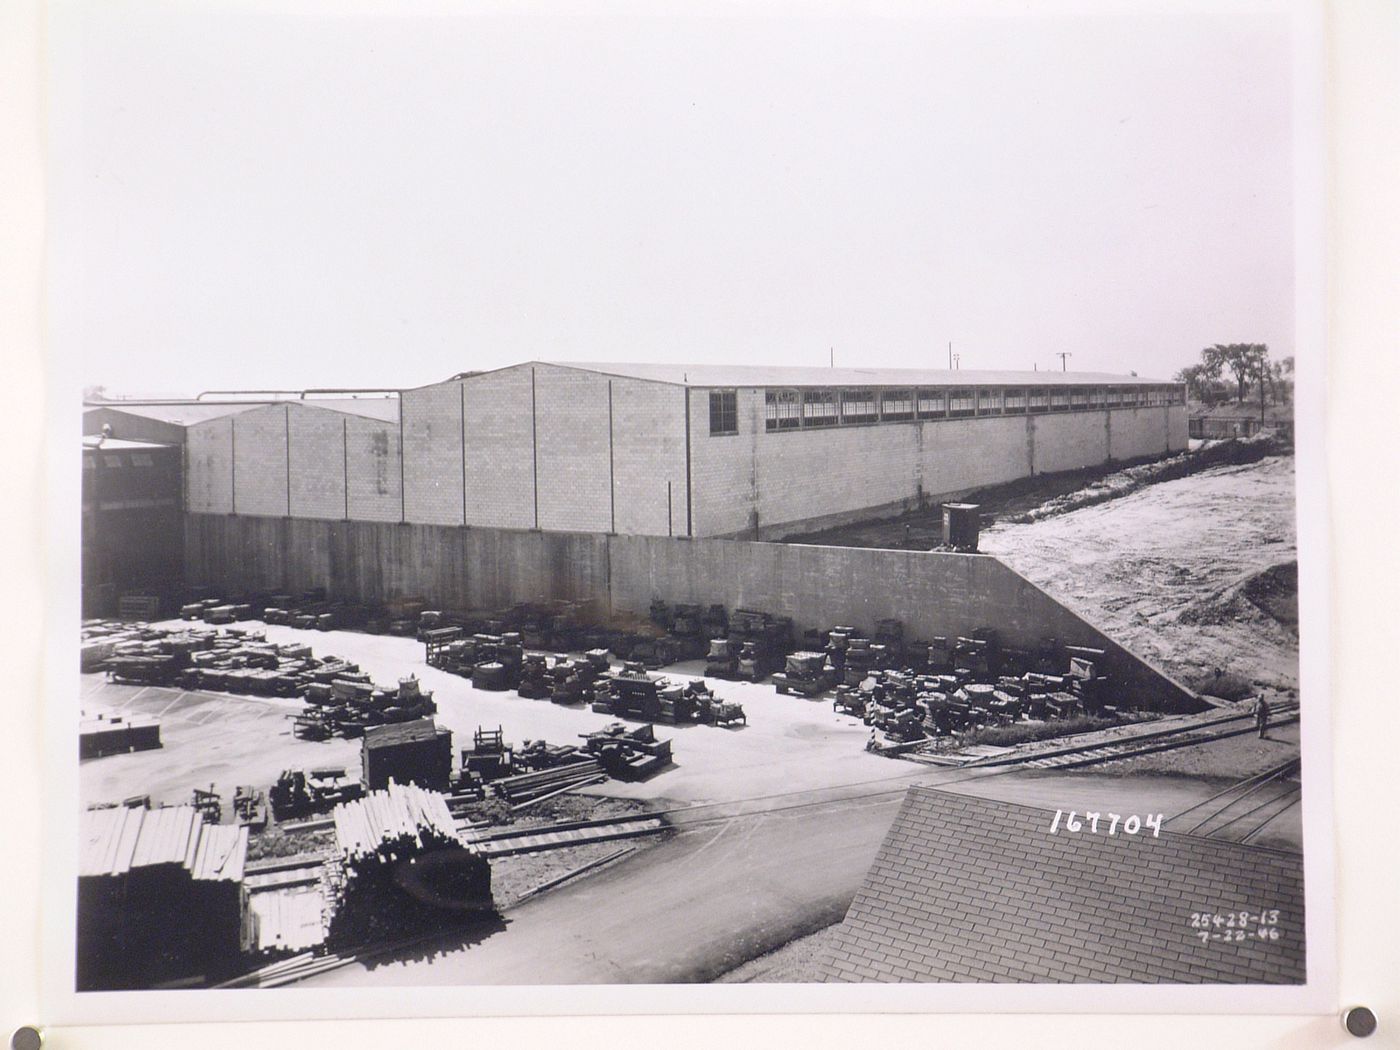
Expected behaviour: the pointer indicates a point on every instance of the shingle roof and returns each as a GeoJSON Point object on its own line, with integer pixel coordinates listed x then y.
{"type": "Point", "coordinates": [788, 375]}
{"type": "Point", "coordinates": [113, 841]}
{"type": "Point", "coordinates": [965, 889]}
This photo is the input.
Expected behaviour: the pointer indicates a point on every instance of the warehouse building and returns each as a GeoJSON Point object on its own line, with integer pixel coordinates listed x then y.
{"type": "Point", "coordinates": [132, 521]}
{"type": "Point", "coordinates": [164, 421]}
{"type": "Point", "coordinates": [335, 459]}
{"type": "Point", "coordinates": [673, 450]}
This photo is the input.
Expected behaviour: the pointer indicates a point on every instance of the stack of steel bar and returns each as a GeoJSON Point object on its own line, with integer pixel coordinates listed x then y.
{"type": "Point", "coordinates": [533, 787]}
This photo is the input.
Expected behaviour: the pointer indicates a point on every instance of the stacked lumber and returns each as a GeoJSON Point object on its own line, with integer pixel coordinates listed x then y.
{"type": "Point", "coordinates": [387, 825]}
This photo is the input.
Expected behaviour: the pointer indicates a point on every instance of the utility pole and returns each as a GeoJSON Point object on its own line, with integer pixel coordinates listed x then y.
{"type": "Point", "coordinates": [957, 360]}
{"type": "Point", "coordinates": [1064, 355]}
{"type": "Point", "coordinates": [833, 357]}
{"type": "Point", "coordinates": [950, 355]}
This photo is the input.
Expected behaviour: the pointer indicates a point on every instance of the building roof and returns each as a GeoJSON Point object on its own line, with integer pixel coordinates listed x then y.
{"type": "Point", "coordinates": [789, 375]}
{"type": "Point", "coordinates": [184, 413]}
{"type": "Point", "coordinates": [404, 733]}
{"type": "Point", "coordinates": [115, 840]}
{"type": "Point", "coordinates": [964, 889]}
{"type": "Point", "coordinates": [96, 443]}
{"type": "Point", "coordinates": [188, 413]}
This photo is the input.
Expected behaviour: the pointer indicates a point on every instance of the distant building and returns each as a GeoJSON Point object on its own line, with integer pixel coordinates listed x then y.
{"type": "Point", "coordinates": [1239, 420]}
{"type": "Point", "coordinates": [673, 450]}
{"type": "Point", "coordinates": [132, 522]}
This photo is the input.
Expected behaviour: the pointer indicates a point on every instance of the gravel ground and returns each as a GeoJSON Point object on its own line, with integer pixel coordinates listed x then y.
{"type": "Point", "coordinates": [794, 963]}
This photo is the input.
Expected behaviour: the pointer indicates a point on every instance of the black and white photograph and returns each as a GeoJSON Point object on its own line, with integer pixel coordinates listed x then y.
{"type": "Point", "coordinates": [814, 506]}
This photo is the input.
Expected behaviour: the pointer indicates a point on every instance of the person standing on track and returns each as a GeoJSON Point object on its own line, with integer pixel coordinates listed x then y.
{"type": "Point", "coordinates": [1261, 716]}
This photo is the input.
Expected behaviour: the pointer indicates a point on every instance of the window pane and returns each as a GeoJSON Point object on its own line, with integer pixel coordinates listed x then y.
{"type": "Point", "coordinates": [989, 402]}
{"type": "Point", "coordinates": [819, 408]}
{"type": "Point", "coordinates": [1079, 397]}
{"type": "Point", "coordinates": [932, 404]}
{"type": "Point", "coordinates": [1039, 400]}
{"type": "Point", "coordinates": [858, 406]}
{"type": "Point", "coordinates": [961, 403]}
{"type": "Point", "coordinates": [724, 414]}
{"type": "Point", "coordinates": [1059, 400]}
{"type": "Point", "coordinates": [782, 409]}
{"type": "Point", "coordinates": [1015, 401]}
{"type": "Point", "coordinates": [896, 405]}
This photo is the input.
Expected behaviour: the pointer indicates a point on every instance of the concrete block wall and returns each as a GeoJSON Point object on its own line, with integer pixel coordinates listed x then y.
{"type": "Point", "coordinates": [431, 421]}
{"type": "Point", "coordinates": [373, 469]}
{"type": "Point", "coordinates": [649, 458]}
{"type": "Point", "coordinates": [316, 461]}
{"type": "Point", "coordinates": [563, 449]}
{"type": "Point", "coordinates": [500, 461]}
{"type": "Point", "coordinates": [1071, 441]}
{"type": "Point", "coordinates": [209, 467]}
{"type": "Point", "coordinates": [260, 460]}
{"type": "Point", "coordinates": [575, 461]}
{"type": "Point", "coordinates": [761, 479]}
{"type": "Point", "coordinates": [959, 454]}
{"type": "Point", "coordinates": [932, 593]}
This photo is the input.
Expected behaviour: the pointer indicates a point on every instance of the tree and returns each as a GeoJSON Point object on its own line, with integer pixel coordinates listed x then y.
{"type": "Point", "coordinates": [1245, 361]}
{"type": "Point", "coordinates": [1196, 380]}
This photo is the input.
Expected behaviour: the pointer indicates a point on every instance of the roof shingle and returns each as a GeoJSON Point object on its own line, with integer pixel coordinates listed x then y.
{"type": "Point", "coordinates": [966, 889]}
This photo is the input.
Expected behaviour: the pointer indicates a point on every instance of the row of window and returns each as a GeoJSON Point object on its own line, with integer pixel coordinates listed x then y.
{"type": "Point", "coordinates": [793, 409]}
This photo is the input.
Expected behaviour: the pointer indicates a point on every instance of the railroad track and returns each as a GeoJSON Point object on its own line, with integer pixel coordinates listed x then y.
{"type": "Point", "coordinates": [1148, 743]}
{"type": "Point", "coordinates": [1244, 809]}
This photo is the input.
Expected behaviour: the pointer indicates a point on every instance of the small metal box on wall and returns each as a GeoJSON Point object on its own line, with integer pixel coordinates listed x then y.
{"type": "Point", "coordinates": [961, 524]}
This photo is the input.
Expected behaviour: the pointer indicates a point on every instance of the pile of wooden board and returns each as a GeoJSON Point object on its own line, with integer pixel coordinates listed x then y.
{"type": "Point", "coordinates": [388, 825]}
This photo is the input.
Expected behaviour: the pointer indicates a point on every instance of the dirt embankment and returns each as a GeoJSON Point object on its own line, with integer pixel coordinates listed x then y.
{"type": "Point", "coordinates": [1198, 574]}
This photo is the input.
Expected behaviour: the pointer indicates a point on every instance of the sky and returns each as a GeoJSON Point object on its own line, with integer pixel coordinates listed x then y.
{"type": "Point", "coordinates": [265, 196]}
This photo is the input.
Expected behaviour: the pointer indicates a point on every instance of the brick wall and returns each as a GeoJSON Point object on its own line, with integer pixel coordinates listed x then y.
{"type": "Point", "coordinates": [317, 461]}
{"type": "Point", "coordinates": [965, 889]}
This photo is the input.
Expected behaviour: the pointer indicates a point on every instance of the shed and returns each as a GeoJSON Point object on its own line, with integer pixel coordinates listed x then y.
{"type": "Point", "coordinates": [418, 752]}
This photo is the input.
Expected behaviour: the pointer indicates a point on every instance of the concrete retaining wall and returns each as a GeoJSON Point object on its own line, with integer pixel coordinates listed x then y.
{"type": "Point", "coordinates": [933, 593]}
